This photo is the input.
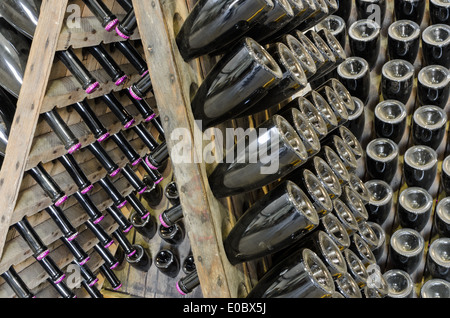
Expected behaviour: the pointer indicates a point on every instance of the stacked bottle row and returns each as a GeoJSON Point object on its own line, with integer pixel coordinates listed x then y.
{"type": "Point", "coordinates": [17, 29]}
{"type": "Point", "coordinates": [316, 160]}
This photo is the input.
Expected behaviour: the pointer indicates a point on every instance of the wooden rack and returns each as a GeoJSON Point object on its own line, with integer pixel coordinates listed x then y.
{"type": "Point", "coordinates": [48, 85]}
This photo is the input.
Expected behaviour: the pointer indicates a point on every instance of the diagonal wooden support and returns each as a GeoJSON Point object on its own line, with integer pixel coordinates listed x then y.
{"type": "Point", "coordinates": [29, 104]}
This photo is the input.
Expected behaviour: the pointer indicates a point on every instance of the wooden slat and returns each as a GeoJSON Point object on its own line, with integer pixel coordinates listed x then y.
{"type": "Point", "coordinates": [172, 79]}
{"type": "Point", "coordinates": [29, 107]}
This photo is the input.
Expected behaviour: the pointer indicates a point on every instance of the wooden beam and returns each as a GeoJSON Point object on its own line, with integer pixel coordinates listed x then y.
{"type": "Point", "coordinates": [30, 100]}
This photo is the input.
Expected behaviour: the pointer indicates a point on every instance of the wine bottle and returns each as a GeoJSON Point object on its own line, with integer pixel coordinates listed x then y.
{"type": "Point", "coordinates": [92, 290]}
{"type": "Point", "coordinates": [89, 207]}
{"type": "Point", "coordinates": [127, 5]}
{"type": "Point", "coordinates": [103, 157]}
{"type": "Point", "coordinates": [189, 264]}
{"type": "Point", "coordinates": [215, 25]}
{"type": "Point", "coordinates": [114, 194]}
{"type": "Point", "coordinates": [81, 257]}
{"type": "Point", "coordinates": [171, 216]}
{"type": "Point", "coordinates": [316, 192]}
{"type": "Point", "coordinates": [152, 179]}
{"type": "Point", "coordinates": [107, 19]}
{"type": "Point", "coordinates": [281, 14]}
{"type": "Point", "coordinates": [110, 261]}
{"type": "Point", "coordinates": [172, 194]}
{"type": "Point", "coordinates": [173, 235]}
{"type": "Point", "coordinates": [145, 137]}
{"type": "Point", "coordinates": [167, 262]}
{"type": "Point", "coordinates": [67, 229]}
{"type": "Point", "coordinates": [142, 106]}
{"type": "Point", "coordinates": [138, 206]}
{"type": "Point", "coordinates": [301, 53]}
{"type": "Point", "coordinates": [293, 80]}
{"type": "Point", "coordinates": [104, 239]}
{"type": "Point", "coordinates": [124, 224]}
{"type": "Point", "coordinates": [52, 269]}
{"type": "Point", "coordinates": [76, 173]}
{"type": "Point", "coordinates": [157, 157]}
{"type": "Point", "coordinates": [118, 110]}
{"type": "Point", "coordinates": [111, 67]}
{"type": "Point", "coordinates": [16, 283]}
{"type": "Point", "coordinates": [279, 219]}
{"type": "Point", "coordinates": [301, 275]}
{"type": "Point", "coordinates": [188, 283]}
{"type": "Point", "coordinates": [127, 26]}
{"type": "Point", "coordinates": [140, 89]}
{"type": "Point", "coordinates": [87, 274]}
{"type": "Point", "coordinates": [248, 69]}
{"type": "Point", "coordinates": [133, 56]}
{"type": "Point", "coordinates": [109, 275]}
{"type": "Point", "coordinates": [62, 289]}
{"type": "Point", "coordinates": [37, 246]}
{"type": "Point", "coordinates": [128, 150]}
{"type": "Point", "coordinates": [50, 187]}
{"type": "Point", "coordinates": [133, 179]}
{"type": "Point", "coordinates": [287, 150]}
{"type": "Point", "coordinates": [62, 131]}
{"type": "Point", "coordinates": [325, 8]}
{"type": "Point", "coordinates": [124, 243]}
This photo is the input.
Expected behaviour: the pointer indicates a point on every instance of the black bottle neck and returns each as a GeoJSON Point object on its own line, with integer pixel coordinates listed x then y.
{"type": "Point", "coordinates": [110, 277]}
{"type": "Point", "coordinates": [78, 70]}
{"type": "Point", "coordinates": [87, 274]}
{"type": "Point", "coordinates": [188, 283]}
{"type": "Point", "coordinates": [39, 249]}
{"type": "Point", "coordinates": [50, 187]}
{"type": "Point", "coordinates": [171, 216]}
{"type": "Point", "coordinates": [62, 289]}
{"type": "Point", "coordinates": [133, 56]}
{"type": "Point", "coordinates": [92, 290]}
{"type": "Point", "coordinates": [89, 207]}
{"type": "Point", "coordinates": [127, 149]}
{"type": "Point", "coordinates": [138, 206]}
{"type": "Point", "coordinates": [103, 237]}
{"type": "Point", "coordinates": [142, 106]}
{"type": "Point", "coordinates": [17, 284]}
{"type": "Point", "coordinates": [67, 229]}
{"type": "Point", "coordinates": [105, 160]}
{"type": "Point", "coordinates": [108, 63]}
{"type": "Point", "coordinates": [123, 222]}
{"type": "Point", "coordinates": [140, 89]}
{"type": "Point", "coordinates": [77, 251]}
{"type": "Point", "coordinates": [55, 273]}
{"type": "Point", "coordinates": [128, 25]}
{"type": "Point", "coordinates": [65, 135]}
{"type": "Point", "coordinates": [118, 110]}
{"type": "Point", "coordinates": [102, 13]}
{"type": "Point", "coordinates": [75, 172]}
{"type": "Point", "coordinates": [91, 120]}
{"type": "Point", "coordinates": [124, 243]}
{"type": "Point", "coordinates": [110, 261]}
{"type": "Point", "coordinates": [158, 156]}
{"type": "Point", "coordinates": [114, 194]}
{"type": "Point", "coordinates": [133, 179]}
{"type": "Point", "coordinates": [145, 137]}
{"type": "Point", "coordinates": [127, 5]}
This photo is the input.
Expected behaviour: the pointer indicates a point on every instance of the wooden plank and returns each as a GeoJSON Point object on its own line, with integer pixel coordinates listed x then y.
{"type": "Point", "coordinates": [90, 33]}
{"type": "Point", "coordinates": [28, 107]}
{"type": "Point", "coordinates": [172, 79]}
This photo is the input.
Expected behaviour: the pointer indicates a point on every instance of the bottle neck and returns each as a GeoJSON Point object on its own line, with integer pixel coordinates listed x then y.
{"type": "Point", "coordinates": [102, 156]}
{"type": "Point", "coordinates": [124, 243]}
{"type": "Point", "coordinates": [128, 25]}
{"type": "Point", "coordinates": [89, 207]}
{"type": "Point", "coordinates": [102, 13]}
{"type": "Point", "coordinates": [126, 148]}
{"type": "Point", "coordinates": [75, 172]}
{"type": "Point", "coordinates": [50, 187]}
{"type": "Point", "coordinates": [99, 232]}
{"type": "Point", "coordinates": [39, 249]}
{"type": "Point", "coordinates": [91, 120]}
{"type": "Point", "coordinates": [133, 179]}
{"type": "Point", "coordinates": [67, 229]}
{"type": "Point", "coordinates": [133, 56]}
{"type": "Point", "coordinates": [65, 135]}
{"type": "Point", "coordinates": [171, 216]}
{"type": "Point", "coordinates": [188, 283]}
{"type": "Point", "coordinates": [108, 63]}
{"type": "Point", "coordinates": [114, 194]}
{"type": "Point", "coordinates": [16, 283]}
{"type": "Point", "coordinates": [138, 206]}
{"type": "Point", "coordinates": [145, 137]}
{"type": "Point", "coordinates": [78, 70]}
{"type": "Point", "coordinates": [118, 110]}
